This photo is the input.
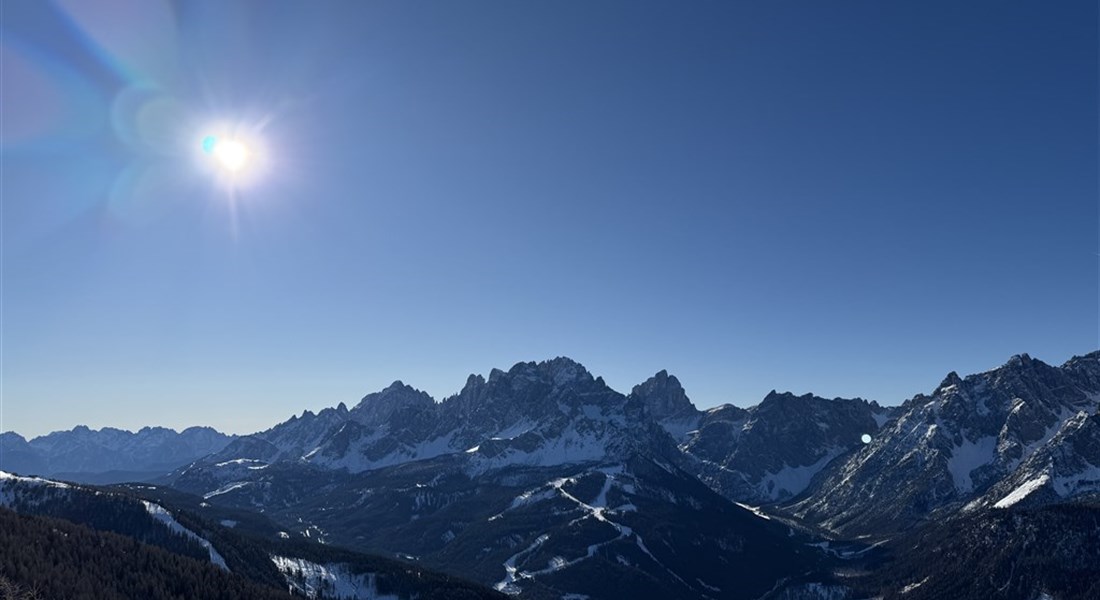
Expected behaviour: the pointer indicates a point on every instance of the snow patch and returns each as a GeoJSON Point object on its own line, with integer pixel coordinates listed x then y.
{"type": "Point", "coordinates": [329, 580]}
{"type": "Point", "coordinates": [160, 514]}
{"type": "Point", "coordinates": [38, 481]}
{"type": "Point", "coordinates": [225, 489]}
{"type": "Point", "coordinates": [913, 586]}
{"type": "Point", "coordinates": [238, 461]}
{"type": "Point", "coordinates": [792, 480]}
{"type": "Point", "coordinates": [1023, 491]}
{"type": "Point", "coordinates": [755, 510]}
{"type": "Point", "coordinates": [969, 456]}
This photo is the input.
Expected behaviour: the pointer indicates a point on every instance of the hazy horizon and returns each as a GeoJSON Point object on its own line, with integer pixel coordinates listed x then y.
{"type": "Point", "coordinates": [839, 200]}
{"type": "Point", "coordinates": [111, 420]}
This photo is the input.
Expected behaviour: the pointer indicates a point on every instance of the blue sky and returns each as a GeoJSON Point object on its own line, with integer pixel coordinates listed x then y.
{"type": "Point", "coordinates": [844, 198]}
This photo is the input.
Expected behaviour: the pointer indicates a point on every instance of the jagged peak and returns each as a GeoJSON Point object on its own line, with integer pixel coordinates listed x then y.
{"type": "Point", "coordinates": [1020, 362]}
{"type": "Point", "coordinates": [1090, 362]}
{"type": "Point", "coordinates": [1020, 359]}
{"type": "Point", "coordinates": [775, 397]}
{"type": "Point", "coordinates": [663, 396]}
{"type": "Point", "coordinates": [1090, 356]}
{"type": "Point", "coordinates": [563, 362]}
{"type": "Point", "coordinates": [376, 407]}
{"type": "Point", "coordinates": [559, 371]}
{"type": "Point", "coordinates": [952, 380]}
{"type": "Point", "coordinates": [396, 385]}
{"type": "Point", "coordinates": [660, 378]}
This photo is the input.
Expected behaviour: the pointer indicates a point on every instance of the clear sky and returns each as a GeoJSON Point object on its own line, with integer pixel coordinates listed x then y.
{"type": "Point", "coordinates": [848, 198]}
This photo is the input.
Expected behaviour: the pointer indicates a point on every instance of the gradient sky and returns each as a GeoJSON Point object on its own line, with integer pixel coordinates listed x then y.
{"type": "Point", "coordinates": [848, 198]}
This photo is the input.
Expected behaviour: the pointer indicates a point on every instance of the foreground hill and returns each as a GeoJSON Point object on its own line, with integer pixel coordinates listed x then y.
{"type": "Point", "coordinates": [59, 559]}
{"type": "Point", "coordinates": [79, 542]}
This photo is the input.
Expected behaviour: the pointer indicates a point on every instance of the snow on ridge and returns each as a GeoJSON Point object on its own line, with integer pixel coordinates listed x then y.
{"type": "Point", "coordinates": [568, 448]}
{"type": "Point", "coordinates": [159, 513]}
{"type": "Point", "coordinates": [755, 510]}
{"type": "Point", "coordinates": [533, 496]}
{"type": "Point", "coordinates": [1023, 491]}
{"type": "Point", "coordinates": [238, 461]}
{"type": "Point", "coordinates": [225, 489]}
{"type": "Point", "coordinates": [12, 485]}
{"type": "Point", "coordinates": [332, 580]}
{"type": "Point", "coordinates": [355, 461]}
{"type": "Point", "coordinates": [514, 430]}
{"type": "Point", "coordinates": [6, 476]}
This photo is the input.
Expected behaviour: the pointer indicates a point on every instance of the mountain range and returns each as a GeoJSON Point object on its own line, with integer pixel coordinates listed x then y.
{"type": "Point", "coordinates": [108, 454]}
{"type": "Point", "coordinates": [543, 482]}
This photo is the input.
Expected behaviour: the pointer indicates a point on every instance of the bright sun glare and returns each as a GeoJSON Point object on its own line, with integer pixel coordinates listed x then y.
{"type": "Point", "coordinates": [230, 154]}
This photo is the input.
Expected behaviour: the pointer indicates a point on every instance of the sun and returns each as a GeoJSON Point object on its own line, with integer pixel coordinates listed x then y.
{"type": "Point", "coordinates": [230, 154]}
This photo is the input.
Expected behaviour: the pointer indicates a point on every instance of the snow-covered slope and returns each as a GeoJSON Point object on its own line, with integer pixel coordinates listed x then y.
{"type": "Point", "coordinates": [766, 452]}
{"type": "Point", "coordinates": [536, 414]}
{"type": "Point", "coordinates": [993, 433]}
{"type": "Point", "coordinates": [640, 528]}
{"type": "Point", "coordinates": [35, 495]}
{"type": "Point", "coordinates": [329, 580]}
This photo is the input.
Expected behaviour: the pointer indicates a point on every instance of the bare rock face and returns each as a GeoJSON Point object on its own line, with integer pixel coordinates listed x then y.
{"type": "Point", "coordinates": [987, 433]}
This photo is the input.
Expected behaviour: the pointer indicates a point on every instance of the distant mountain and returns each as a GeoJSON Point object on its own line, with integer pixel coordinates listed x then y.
{"type": "Point", "coordinates": [556, 412]}
{"type": "Point", "coordinates": [1023, 431]}
{"type": "Point", "coordinates": [536, 414]}
{"type": "Point", "coordinates": [541, 481]}
{"type": "Point", "coordinates": [764, 453]}
{"type": "Point", "coordinates": [108, 455]}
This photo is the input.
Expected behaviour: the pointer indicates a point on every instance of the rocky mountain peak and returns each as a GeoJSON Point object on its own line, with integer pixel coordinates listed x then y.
{"type": "Point", "coordinates": [663, 396]}
{"type": "Point", "coordinates": [1019, 360]}
{"type": "Point", "coordinates": [377, 408]}
{"type": "Point", "coordinates": [1085, 371]}
{"type": "Point", "coordinates": [560, 372]}
{"type": "Point", "coordinates": [473, 381]}
{"type": "Point", "coordinates": [951, 381]}
{"type": "Point", "coordinates": [12, 436]}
